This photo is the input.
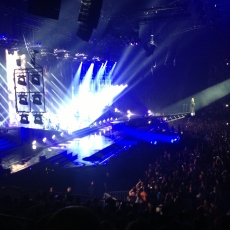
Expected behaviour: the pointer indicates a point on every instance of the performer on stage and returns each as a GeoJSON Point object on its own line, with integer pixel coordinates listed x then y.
{"type": "Point", "coordinates": [192, 107]}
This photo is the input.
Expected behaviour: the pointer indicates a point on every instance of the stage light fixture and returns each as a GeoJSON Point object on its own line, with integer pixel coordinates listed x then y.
{"type": "Point", "coordinates": [33, 54]}
{"type": "Point", "coordinates": [22, 80]}
{"type": "Point", "coordinates": [11, 52]}
{"type": "Point", "coordinates": [23, 99]}
{"type": "Point", "coordinates": [38, 119]}
{"type": "Point", "coordinates": [150, 46]}
{"type": "Point", "coordinates": [19, 62]}
{"type": "Point", "coordinates": [37, 98]}
{"type": "Point", "coordinates": [24, 119]}
{"type": "Point", "coordinates": [35, 78]}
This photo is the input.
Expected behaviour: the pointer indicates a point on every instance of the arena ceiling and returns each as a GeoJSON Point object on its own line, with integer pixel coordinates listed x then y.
{"type": "Point", "coordinates": [190, 37]}
{"type": "Point", "coordinates": [120, 23]}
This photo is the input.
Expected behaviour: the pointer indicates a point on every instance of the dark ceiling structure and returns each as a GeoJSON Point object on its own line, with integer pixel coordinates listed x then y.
{"type": "Point", "coordinates": [184, 37]}
{"type": "Point", "coordinates": [99, 26]}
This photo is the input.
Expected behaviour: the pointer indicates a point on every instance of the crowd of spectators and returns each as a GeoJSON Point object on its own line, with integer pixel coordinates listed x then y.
{"type": "Point", "coordinates": [193, 182]}
{"type": "Point", "coordinates": [185, 188]}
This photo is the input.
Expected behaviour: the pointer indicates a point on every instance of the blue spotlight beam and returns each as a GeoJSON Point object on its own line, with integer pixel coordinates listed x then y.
{"type": "Point", "coordinates": [147, 136]}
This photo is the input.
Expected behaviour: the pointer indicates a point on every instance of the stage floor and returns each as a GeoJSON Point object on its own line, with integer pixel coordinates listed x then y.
{"type": "Point", "coordinates": [75, 150]}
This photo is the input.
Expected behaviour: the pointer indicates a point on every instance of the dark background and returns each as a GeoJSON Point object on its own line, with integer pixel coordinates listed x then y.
{"type": "Point", "coordinates": [189, 48]}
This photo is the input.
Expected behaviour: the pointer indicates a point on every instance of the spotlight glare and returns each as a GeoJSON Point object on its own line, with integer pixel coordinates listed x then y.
{"type": "Point", "coordinates": [53, 137]}
{"type": "Point", "coordinates": [34, 142]}
{"type": "Point", "coordinates": [44, 140]}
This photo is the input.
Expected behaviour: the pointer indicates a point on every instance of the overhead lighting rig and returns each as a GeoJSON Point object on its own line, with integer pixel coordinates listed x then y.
{"type": "Point", "coordinates": [29, 93]}
{"type": "Point", "coordinates": [150, 46]}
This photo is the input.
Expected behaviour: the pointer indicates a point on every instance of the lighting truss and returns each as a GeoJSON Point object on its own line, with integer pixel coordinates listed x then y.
{"type": "Point", "coordinates": [29, 87]}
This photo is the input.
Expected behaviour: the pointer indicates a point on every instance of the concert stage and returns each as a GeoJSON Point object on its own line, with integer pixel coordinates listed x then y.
{"type": "Point", "coordinates": [93, 145]}
{"type": "Point", "coordinates": [86, 147]}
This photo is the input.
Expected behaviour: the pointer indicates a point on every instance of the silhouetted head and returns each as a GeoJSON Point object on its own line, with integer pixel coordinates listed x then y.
{"type": "Point", "coordinates": [74, 218]}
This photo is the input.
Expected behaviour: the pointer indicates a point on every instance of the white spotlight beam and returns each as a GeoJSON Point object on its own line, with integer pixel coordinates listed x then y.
{"type": "Point", "coordinates": [110, 74]}
{"type": "Point", "coordinates": [3, 66]}
{"type": "Point", "coordinates": [75, 82]}
{"type": "Point", "coordinates": [3, 98]}
{"type": "Point", "coordinates": [61, 99]}
{"type": "Point", "coordinates": [204, 97]}
{"type": "Point", "coordinates": [4, 118]}
{"type": "Point", "coordinates": [54, 100]}
{"type": "Point", "coordinates": [3, 79]}
{"type": "Point", "coordinates": [87, 79]}
{"type": "Point", "coordinates": [99, 73]}
{"type": "Point", "coordinates": [125, 55]}
{"type": "Point", "coordinates": [58, 89]}
{"type": "Point", "coordinates": [4, 88]}
{"type": "Point", "coordinates": [4, 108]}
{"type": "Point", "coordinates": [62, 85]}
{"type": "Point", "coordinates": [133, 64]}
